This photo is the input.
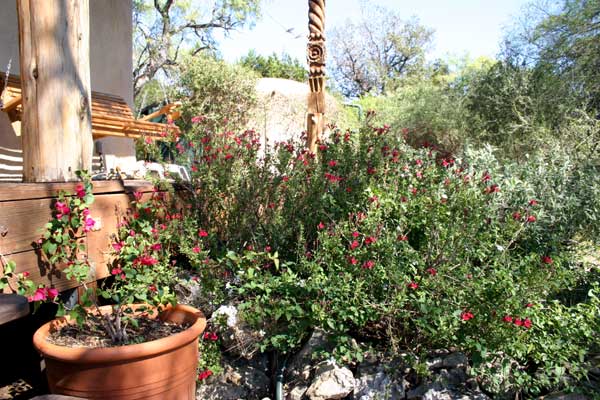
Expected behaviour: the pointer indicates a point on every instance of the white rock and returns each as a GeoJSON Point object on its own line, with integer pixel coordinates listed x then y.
{"type": "Point", "coordinates": [230, 312]}
{"type": "Point", "coordinates": [331, 382]}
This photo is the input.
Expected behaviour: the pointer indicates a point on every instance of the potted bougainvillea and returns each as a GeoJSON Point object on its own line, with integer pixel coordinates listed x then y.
{"type": "Point", "coordinates": [141, 345]}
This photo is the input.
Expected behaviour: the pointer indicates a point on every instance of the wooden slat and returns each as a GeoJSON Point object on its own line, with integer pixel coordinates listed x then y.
{"type": "Point", "coordinates": [29, 191]}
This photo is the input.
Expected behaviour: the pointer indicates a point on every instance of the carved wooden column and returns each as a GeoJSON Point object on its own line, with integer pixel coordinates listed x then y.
{"type": "Point", "coordinates": [316, 67]}
{"type": "Point", "coordinates": [55, 78]}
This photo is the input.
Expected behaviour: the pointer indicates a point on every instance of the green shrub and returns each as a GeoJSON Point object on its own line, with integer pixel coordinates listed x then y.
{"type": "Point", "coordinates": [376, 241]}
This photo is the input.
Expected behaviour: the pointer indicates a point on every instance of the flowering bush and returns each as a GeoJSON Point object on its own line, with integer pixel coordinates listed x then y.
{"type": "Point", "coordinates": [377, 241]}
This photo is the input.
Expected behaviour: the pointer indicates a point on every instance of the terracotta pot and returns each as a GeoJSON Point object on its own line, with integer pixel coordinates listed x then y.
{"type": "Point", "coordinates": [162, 369]}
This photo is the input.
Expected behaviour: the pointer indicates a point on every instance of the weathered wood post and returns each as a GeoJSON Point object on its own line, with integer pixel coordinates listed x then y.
{"type": "Point", "coordinates": [55, 78]}
{"type": "Point", "coordinates": [316, 72]}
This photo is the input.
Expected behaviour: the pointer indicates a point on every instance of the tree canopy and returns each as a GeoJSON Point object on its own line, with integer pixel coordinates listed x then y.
{"type": "Point", "coordinates": [166, 28]}
{"type": "Point", "coordinates": [368, 55]}
{"type": "Point", "coordinates": [275, 66]}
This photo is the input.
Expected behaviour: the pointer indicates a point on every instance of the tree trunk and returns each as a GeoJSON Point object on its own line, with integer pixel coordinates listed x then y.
{"type": "Point", "coordinates": [55, 79]}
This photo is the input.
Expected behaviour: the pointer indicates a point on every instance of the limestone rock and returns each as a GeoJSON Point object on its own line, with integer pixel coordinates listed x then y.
{"type": "Point", "coordinates": [300, 367]}
{"type": "Point", "coordinates": [378, 385]}
{"type": "Point", "coordinates": [331, 382]}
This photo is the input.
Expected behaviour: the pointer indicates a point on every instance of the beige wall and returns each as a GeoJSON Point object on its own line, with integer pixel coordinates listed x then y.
{"type": "Point", "coordinates": [110, 65]}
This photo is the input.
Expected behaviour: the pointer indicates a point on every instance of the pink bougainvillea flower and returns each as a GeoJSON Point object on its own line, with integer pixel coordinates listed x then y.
{"type": "Point", "coordinates": [138, 195]}
{"type": "Point", "coordinates": [116, 271]}
{"type": "Point", "coordinates": [531, 218]}
{"type": "Point", "coordinates": [402, 238]}
{"type": "Point", "coordinates": [89, 224]}
{"type": "Point", "coordinates": [354, 244]}
{"type": "Point", "coordinates": [202, 233]}
{"type": "Point", "coordinates": [369, 264]}
{"type": "Point", "coordinates": [323, 147]}
{"type": "Point", "coordinates": [413, 285]}
{"type": "Point", "coordinates": [507, 318]}
{"type": "Point", "coordinates": [268, 249]}
{"type": "Point", "coordinates": [196, 249]}
{"type": "Point", "coordinates": [419, 162]}
{"type": "Point", "coordinates": [547, 260]}
{"type": "Point", "coordinates": [39, 295]}
{"type": "Point", "coordinates": [466, 315]}
{"type": "Point", "coordinates": [371, 171]}
{"type": "Point", "coordinates": [373, 199]}
{"type": "Point", "coordinates": [355, 234]}
{"type": "Point", "coordinates": [527, 323]}
{"type": "Point", "coordinates": [352, 260]}
{"type": "Point", "coordinates": [332, 163]}
{"type": "Point", "coordinates": [80, 191]}
{"type": "Point", "coordinates": [518, 322]}
{"type": "Point", "coordinates": [198, 119]}
{"type": "Point", "coordinates": [516, 216]}
{"type": "Point", "coordinates": [529, 305]}
{"type": "Point", "coordinates": [148, 140]}
{"type": "Point", "coordinates": [152, 288]}
{"type": "Point", "coordinates": [62, 208]}
{"type": "Point", "coordinates": [486, 177]}
{"type": "Point", "coordinates": [321, 226]}
{"type": "Point", "coordinates": [432, 271]}
{"type": "Point", "coordinates": [25, 274]}
{"type": "Point", "coordinates": [51, 293]}
{"type": "Point", "coordinates": [533, 202]}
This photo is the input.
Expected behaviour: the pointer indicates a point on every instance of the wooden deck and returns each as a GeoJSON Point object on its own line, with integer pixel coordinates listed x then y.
{"type": "Point", "coordinates": [26, 207]}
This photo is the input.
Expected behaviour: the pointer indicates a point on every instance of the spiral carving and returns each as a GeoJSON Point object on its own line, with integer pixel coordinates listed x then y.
{"type": "Point", "coordinates": [315, 51]}
{"type": "Point", "coordinates": [316, 18]}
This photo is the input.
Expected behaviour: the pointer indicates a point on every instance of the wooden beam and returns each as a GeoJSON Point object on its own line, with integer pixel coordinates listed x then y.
{"type": "Point", "coordinates": [316, 70]}
{"type": "Point", "coordinates": [55, 77]}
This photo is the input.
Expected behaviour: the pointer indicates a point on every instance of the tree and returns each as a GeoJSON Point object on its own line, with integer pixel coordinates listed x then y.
{"type": "Point", "coordinates": [275, 66]}
{"type": "Point", "coordinates": [163, 28]}
{"type": "Point", "coordinates": [560, 40]}
{"type": "Point", "coordinates": [368, 56]}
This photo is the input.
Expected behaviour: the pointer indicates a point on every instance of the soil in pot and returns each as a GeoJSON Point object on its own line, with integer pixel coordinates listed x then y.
{"type": "Point", "coordinates": [93, 335]}
{"type": "Point", "coordinates": [162, 369]}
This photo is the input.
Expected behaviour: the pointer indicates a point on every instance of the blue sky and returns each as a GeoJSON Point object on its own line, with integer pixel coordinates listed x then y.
{"type": "Point", "coordinates": [472, 27]}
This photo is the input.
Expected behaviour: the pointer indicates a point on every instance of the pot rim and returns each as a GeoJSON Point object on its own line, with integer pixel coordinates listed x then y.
{"type": "Point", "coordinates": [120, 353]}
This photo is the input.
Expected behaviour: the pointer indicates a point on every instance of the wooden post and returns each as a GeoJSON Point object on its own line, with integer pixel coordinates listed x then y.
{"type": "Point", "coordinates": [316, 78]}
{"type": "Point", "coordinates": [55, 78]}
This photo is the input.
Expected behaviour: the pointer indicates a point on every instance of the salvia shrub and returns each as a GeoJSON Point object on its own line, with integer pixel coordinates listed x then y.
{"type": "Point", "coordinates": [382, 244]}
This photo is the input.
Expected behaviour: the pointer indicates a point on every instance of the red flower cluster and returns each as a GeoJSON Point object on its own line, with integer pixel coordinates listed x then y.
{"type": "Point", "coordinates": [204, 374]}
{"type": "Point", "coordinates": [547, 260]}
{"type": "Point", "coordinates": [369, 264]}
{"type": "Point", "coordinates": [526, 323]}
{"type": "Point", "coordinates": [212, 336]}
{"type": "Point", "coordinates": [145, 260]}
{"type": "Point", "coordinates": [370, 240]}
{"type": "Point", "coordinates": [466, 315]}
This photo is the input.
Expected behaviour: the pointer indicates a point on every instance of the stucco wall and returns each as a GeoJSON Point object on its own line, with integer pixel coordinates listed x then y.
{"type": "Point", "coordinates": [110, 68]}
